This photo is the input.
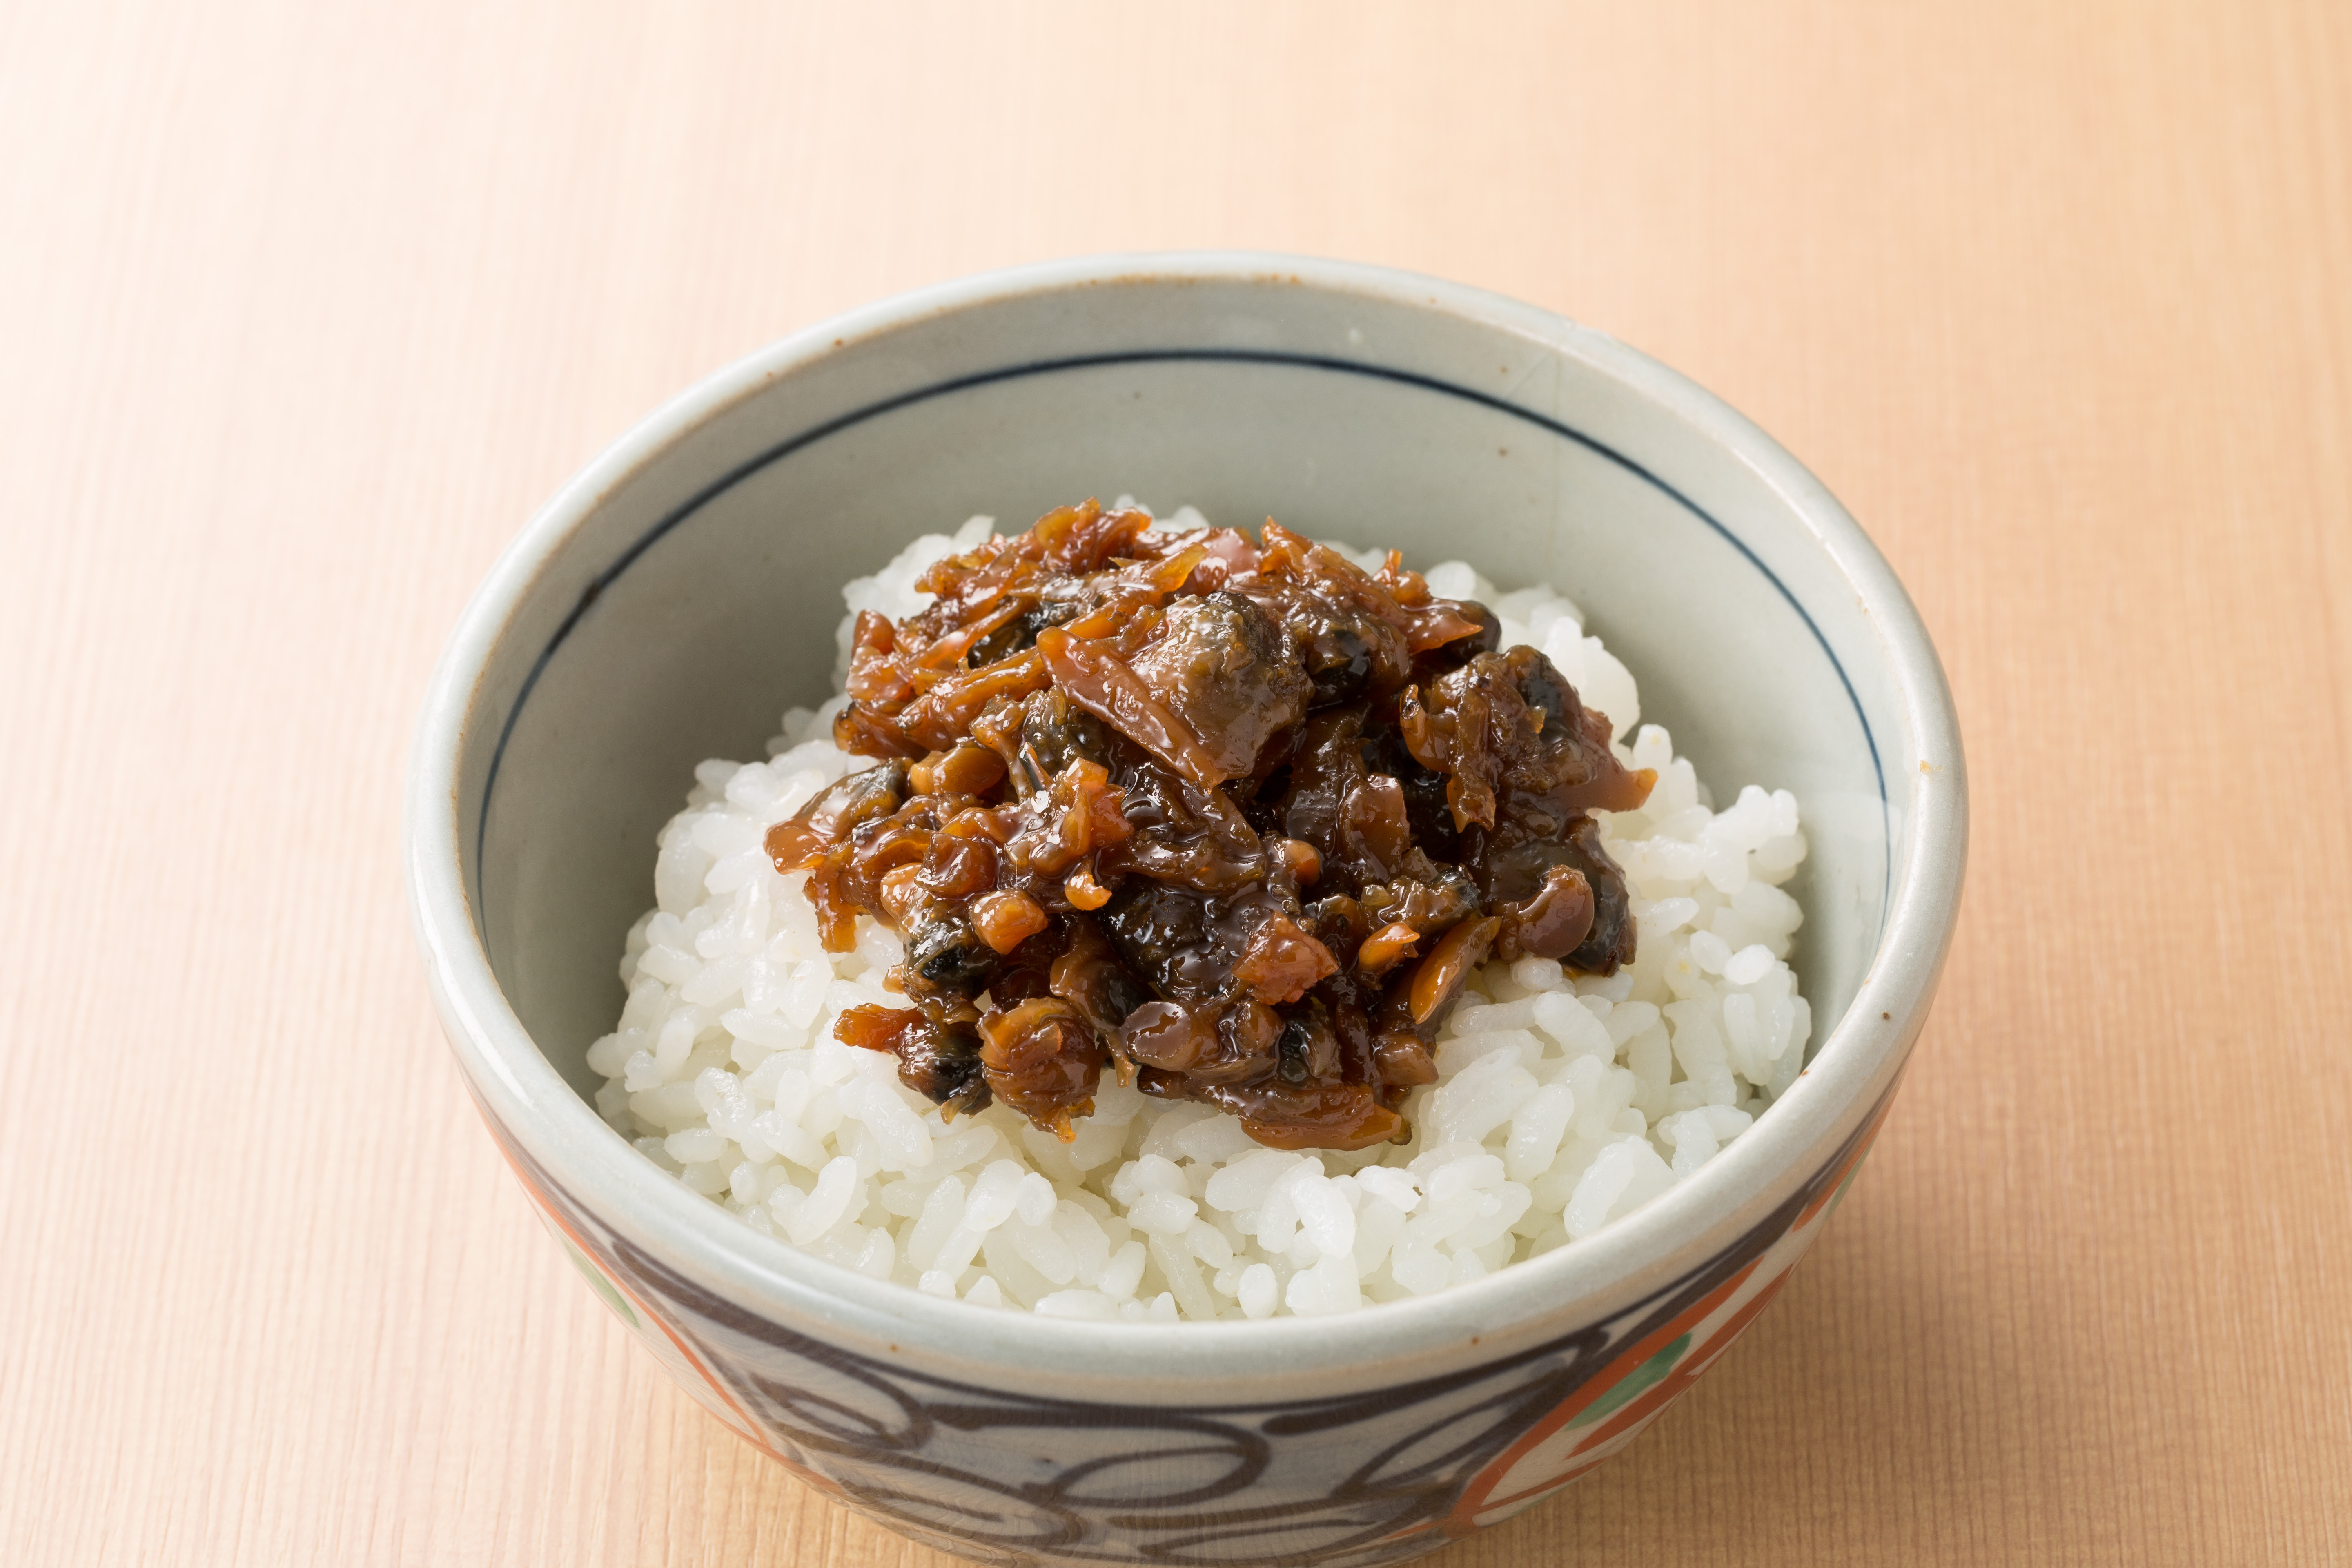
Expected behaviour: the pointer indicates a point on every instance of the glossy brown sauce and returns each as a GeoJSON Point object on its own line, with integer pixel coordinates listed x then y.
{"type": "Point", "coordinates": [1235, 819]}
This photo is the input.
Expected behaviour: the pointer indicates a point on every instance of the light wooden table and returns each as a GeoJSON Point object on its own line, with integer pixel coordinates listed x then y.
{"type": "Point", "coordinates": [303, 308]}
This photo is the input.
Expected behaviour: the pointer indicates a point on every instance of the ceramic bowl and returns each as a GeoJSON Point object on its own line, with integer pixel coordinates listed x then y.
{"type": "Point", "coordinates": [669, 601]}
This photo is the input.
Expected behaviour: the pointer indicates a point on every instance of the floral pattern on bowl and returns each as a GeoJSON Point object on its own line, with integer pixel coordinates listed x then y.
{"type": "Point", "coordinates": [1014, 1479]}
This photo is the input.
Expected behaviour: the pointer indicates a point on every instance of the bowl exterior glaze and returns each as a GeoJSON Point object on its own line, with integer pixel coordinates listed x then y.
{"type": "Point", "coordinates": [572, 705]}
{"type": "Point", "coordinates": [974, 1467]}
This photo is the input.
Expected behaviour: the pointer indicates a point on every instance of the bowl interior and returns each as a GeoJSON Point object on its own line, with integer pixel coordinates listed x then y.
{"type": "Point", "coordinates": [695, 592]}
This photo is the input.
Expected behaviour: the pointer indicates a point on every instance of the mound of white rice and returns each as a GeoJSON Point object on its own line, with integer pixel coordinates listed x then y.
{"type": "Point", "coordinates": [1561, 1105]}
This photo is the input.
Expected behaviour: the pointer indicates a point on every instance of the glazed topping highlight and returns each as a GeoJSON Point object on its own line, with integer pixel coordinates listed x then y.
{"type": "Point", "coordinates": [1233, 819]}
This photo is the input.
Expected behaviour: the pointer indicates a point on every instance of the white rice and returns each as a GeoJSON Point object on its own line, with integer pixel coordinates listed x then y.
{"type": "Point", "coordinates": [1561, 1104]}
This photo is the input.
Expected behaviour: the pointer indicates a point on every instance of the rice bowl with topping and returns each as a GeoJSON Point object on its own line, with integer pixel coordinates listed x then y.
{"type": "Point", "coordinates": [1560, 1101]}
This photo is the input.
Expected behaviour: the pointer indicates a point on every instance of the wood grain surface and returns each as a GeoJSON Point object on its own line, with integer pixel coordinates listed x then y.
{"type": "Point", "coordinates": [303, 307]}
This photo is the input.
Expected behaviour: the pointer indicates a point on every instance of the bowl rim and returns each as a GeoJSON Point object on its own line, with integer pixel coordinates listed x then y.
{"type": "Point", "coordinates": [521, 1089]}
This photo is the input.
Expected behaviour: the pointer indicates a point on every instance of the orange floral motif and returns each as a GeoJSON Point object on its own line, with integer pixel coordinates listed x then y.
{"type": "Point", "coordinates": [1610, 1409]}
{"type": "Point", "coordinates": [672, 1347]}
